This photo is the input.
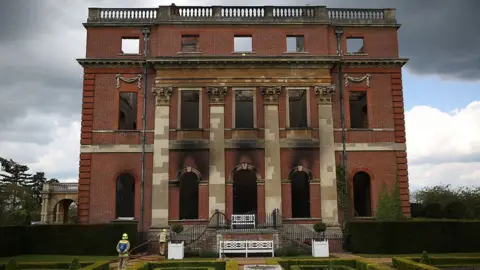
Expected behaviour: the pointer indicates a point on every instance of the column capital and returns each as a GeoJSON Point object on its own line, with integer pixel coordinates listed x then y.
{"type": "Point", "coordinates": [324, 93]}
{"type": "Point", "coordinates": [217, 94]}
{"type": "Point", "coordinates": [270, 94]}
{"type": "Point", "coordinates": [162, 95]}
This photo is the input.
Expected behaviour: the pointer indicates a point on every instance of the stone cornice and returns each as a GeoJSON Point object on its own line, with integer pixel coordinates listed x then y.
{"type": "Point", "coordinates": [243, 62]}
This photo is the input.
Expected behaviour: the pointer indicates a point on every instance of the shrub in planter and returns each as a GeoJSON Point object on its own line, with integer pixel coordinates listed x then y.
{"type": "Point", "coordinates": [320, 228]}
{"type": "Point", "coordinates": [177, 228]}
{"type": "Point", "coordinates": [433, 210]}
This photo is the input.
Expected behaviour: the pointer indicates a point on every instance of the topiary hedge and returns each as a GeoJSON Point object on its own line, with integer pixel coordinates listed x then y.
{"type": "Point", "coordinates": [65, 239]}
{"type": "Point", "coordinates": [408, 237]}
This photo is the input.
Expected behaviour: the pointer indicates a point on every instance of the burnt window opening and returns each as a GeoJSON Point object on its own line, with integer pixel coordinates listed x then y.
{"type": "Point", "coordinates": [190, 43]}
{"type": "Point", "coordinates": [295, 44]}
{"type": "Point", "coordinates": [190, 109]}
{"type": "Point", "coordinates": [130, 45]}
{"type": "Point", "coordinates": [244, 192]}
{"type": "Point", "coordinates": [189, 196]}
{"type": "Point", "coordinates": [242, 44]}
{"type": "Point", "coordinates": [297, 102]}
{"type": "Point", "coordinates": [358, 109]}
{"type": "Point", "coordinates": [244, 109]}
{"type": "Point", "coordinates": [355, 45]}
{"type": "Point", "coordinates": [125, 193]}
{"type": "Point", "coordinates": [300, 192]}
{"type": "Point", "coordinates": [362, 195]}
{"type": "Point", "coordinates": [127, 114]}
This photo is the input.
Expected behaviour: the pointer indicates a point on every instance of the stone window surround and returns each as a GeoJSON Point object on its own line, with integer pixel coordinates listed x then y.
{"type": "Point", "coordinates": [254, 89]}
{"type": "Point", "coordinates": [287, 106]}
{"type": "Point", "coordinates": [179, 104]}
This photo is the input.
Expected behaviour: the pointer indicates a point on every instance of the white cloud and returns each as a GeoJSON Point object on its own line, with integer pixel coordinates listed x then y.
{"type": "Point", "coordinates": [443, 148]}
{"type": "Point", "coordinates": [58, 158]}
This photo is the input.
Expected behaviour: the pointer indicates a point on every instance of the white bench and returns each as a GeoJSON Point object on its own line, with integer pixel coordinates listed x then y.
{"type": "Point", "coordinates": [248, 246]}
{"type": "Point", "coordinates": [243, 220]}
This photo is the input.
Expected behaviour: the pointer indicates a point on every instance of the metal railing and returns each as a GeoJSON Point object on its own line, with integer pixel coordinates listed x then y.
{"type": "Point", "coordinates": [276, 14]}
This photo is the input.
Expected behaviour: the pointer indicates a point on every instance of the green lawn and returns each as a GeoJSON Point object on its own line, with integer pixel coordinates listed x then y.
{"type": "Point", "coordinates": [419, 255]}
{"type": "Point", "coordinates": [56, 258]}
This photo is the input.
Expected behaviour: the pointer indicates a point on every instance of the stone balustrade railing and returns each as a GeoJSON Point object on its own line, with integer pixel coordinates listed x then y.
{"type": "Point", "coordinates": [61, 187]}
{"type": "Point", "coordinates": [244, 14]}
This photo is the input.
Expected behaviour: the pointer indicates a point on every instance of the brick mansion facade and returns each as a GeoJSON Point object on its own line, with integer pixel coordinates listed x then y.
{"type": "Point", "coordinates": [189, 110]}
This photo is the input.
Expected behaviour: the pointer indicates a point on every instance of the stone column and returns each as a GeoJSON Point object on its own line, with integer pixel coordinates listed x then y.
{"type": "Point", "coordinates": [328, 182]}
{"type": "Point", "coordinates": [273, 182]}
{"type": "Point", "coordinates": [160, 157]}
{"type": "Point", "coordinates": [216, 185]}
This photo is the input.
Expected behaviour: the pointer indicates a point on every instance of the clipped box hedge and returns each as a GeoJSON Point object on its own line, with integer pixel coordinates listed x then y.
{"type": "Point", "coordinates": [197, 265]}
{"type": "Point", "coordinates": [409, 237]}
{"type": "Point", "coordinates": [340, 264]}
{"type": "Point", "coordinates": [72, 239]}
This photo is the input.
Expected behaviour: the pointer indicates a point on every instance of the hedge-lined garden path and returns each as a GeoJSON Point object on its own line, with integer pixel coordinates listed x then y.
{"type": "Point", "coordinates": [148, 258]}
{"type": "Point", "coordinates": [250, 261]}
{"type": "Point", "coordinates": [387, 261]}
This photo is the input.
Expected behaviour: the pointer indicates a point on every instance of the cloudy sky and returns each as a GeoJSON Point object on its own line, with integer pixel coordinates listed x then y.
{"type": "Point", "coordinates": [40, 89]}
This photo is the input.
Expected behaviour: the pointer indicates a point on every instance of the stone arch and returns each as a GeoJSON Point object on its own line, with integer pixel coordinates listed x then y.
{"type": "Point", "coordinates": [300, 178]}
{"type": "Point", "coordinates": [362, 192]}
{"type": "Point", "coordinates": [60, 207]}
{"type": "Point", "coordinates": [245, 166]}
{"type": "Point", "coordinates": [56, 198]}
{"type": "Point", "coordinates": [245, 178]}
{"type": "Point", "coordinates": [125, 185]}
{"type": "Point", "coordinates": [188, 180]}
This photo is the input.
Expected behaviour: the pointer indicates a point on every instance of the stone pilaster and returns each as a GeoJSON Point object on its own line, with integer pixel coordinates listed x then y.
{"type": "Point", "coordinates": [161, 157]}
{"type": "Point", "coordinates": [216, 185]}
{"type": "Point", "coordinates": [273, 182]}
{"type": "Point", "coordinates": [328, 182]}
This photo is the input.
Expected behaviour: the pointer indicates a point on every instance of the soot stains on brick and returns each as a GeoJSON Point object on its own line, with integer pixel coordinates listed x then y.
{"type": "Point", "coordinates": [302, 156]}
{"type": "Point", "coordinates": [197, 159]}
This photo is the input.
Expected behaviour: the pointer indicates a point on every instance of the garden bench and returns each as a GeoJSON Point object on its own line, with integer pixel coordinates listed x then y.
{"type": "Point", "coordinates": [245, 246]}
{"type": "Point", "coordinates": [248, 219]}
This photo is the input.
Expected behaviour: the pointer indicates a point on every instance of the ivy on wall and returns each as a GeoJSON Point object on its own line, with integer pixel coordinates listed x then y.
{"type": "Point", "coordinates": [389, 205]}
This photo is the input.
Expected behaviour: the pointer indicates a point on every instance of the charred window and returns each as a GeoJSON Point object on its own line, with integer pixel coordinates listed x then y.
{"type": "Point", "coordinates": [190, 43]}
{"type": "Point", "coordinates": [127, 114]}
{"type": "Point", "coordinates": [358, 109]}
{"type": "Point", "coordinates": [188, 196]}
{"type": "Point", "coordinates": [244, 109]}
{"type": "Point", "coordinates": [297, 102]}
{"type": "Point", "coordinates": [355, 45]}
{"type": "Point", "coordinates": [190, 109]}
{"type": "Point", "coordinates": [125, 203]}
{"type": "Point", "coordinates": [130, 45]}
{"type": "Point", "coordinates": [242, 44]}
{"type": "Point", "coordinates": [295, 44]}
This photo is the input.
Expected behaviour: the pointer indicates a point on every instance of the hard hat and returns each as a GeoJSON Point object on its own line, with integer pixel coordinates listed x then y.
{"type": "Point", "coordinates": [125, 236]}
{"type": "Point", "coordinates": [164, 230]}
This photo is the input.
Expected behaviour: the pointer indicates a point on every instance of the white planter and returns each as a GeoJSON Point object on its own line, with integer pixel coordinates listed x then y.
{"type": "Point", "coordinates": [320, 249]}
{"type": "Point", "coordinates": [175, 251]}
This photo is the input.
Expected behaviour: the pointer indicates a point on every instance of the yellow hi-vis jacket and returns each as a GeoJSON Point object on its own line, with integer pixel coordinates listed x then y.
{"type": "Point", "coordinates": [162, 237]}
{"type": "Point", "coordinates": [123, 247]}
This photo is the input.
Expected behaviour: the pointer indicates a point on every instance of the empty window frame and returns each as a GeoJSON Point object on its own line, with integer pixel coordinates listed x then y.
{"type": "Point", "coordinates": [355, 45]}
{"type": "Point", "coordinates": [242, 44]}
{"type": "Point", "coordinates": [297, 108]}
{"type": "Point", "coordinates": [358, 109]}
{"type": "Point", "coordinates": [190, 43]}
{"type": "Point", "coordinates": [244, 108]}
{"type": "Point", "coordinates": [295, 44]}
{"type": "Point", "coordinates": [130, 45]}
{"type": "Point", "coordinates": [127, 113]}
{"type": "Point", "coordinates": [189, 109]}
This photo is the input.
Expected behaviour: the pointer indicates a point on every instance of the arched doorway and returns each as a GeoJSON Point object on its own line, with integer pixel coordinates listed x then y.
{"type": "Point", "coordinates": [300, 193]}
{"type": "Point", "coordinates": [125, 204]}
{"type": "Point", "coordinates": [362, 201]}
{"type": "Point", "coordinates": [64, 212]}
{"type": "Point", "coordinates": [189, 195]}
{"type": "Point", "coordinates": [245, 191]}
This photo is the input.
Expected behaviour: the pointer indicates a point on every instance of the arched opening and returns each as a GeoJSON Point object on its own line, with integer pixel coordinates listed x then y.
{"type": "Point", "coordinates": [245, 192]}
{"type": "Point", "coordinates": [300, 194]}
{"type": "Point", "coordinates": [189, 196]}
{"type": "Point", "coordinates": [64, 212]}
{"type": "Point", "coordinates": [362, 202]}
{"type": "Point", "coordinates": [125, 205]}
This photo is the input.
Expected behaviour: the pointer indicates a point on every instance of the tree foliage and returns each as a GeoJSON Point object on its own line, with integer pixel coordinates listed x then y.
{"type": "Point", "coordinates": [457, 203]}
{"type": "Point", "coordinates": [389, 205]}
{"type": "Point", "coordinates": [20, 193]}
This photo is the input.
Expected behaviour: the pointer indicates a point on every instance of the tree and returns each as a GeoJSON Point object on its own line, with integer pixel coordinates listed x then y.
{"type": "Point", "coordinates": [389, 205]}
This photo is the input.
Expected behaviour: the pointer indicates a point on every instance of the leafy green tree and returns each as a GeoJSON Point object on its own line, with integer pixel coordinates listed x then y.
{"type": "Point", "coordinates": [389, 205]}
